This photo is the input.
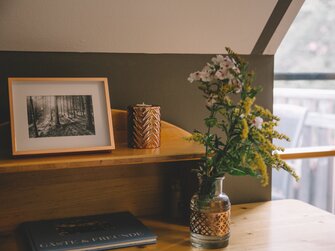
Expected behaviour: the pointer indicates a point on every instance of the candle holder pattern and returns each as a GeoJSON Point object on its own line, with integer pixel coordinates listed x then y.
{"type": "Point", "coordinates": [144, 126]}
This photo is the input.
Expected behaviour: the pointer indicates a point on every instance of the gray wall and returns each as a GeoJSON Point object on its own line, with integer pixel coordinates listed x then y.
{"type": "Point", "coordinates": [133, 78]}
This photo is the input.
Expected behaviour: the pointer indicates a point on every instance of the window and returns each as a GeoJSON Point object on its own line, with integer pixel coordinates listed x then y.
{"type": "Point", "coordinates": [304, 98]}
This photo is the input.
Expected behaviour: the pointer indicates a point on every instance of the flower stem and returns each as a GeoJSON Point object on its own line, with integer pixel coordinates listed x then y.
{"type": "Point", "coordinates": [207, 148]}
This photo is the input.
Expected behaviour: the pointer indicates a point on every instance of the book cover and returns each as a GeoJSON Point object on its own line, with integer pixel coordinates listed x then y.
{"type": "Point", "coordinates": [97, 232]}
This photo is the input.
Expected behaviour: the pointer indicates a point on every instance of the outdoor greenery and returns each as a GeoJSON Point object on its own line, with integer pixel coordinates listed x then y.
{"type": "Point", "coordinates": [245, 148]}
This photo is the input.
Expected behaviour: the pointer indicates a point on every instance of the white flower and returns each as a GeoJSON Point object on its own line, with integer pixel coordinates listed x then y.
{"type": "Point", "coordinates": [275, 152]}
{"type": "Point", "coordinates": [220, 74]}
{"type": "Point", "coordinates": [205, 76]}
{"type": "Point", "coordinates": [237, 70]}
{"type": "Point", "coordinates": [195, 76]}
{"type": "Point", "coordinates": [218, 59]}
{"type": "Point", "coordinates": [227, 63]}
{"type": "Point", "coordinates": [211, 101]}
{"type": "Point", "coordinates": [237, 85]}
{"type": "Point", "coordinates": [258, 121]}
{"type": "Point", "coordinates": [207, 68]}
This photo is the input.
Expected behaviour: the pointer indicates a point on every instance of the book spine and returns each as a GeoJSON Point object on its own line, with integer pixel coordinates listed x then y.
{"type": "Point", "coordinates": [109, 246]}
{"type": "Point", "coordinates": [105, 246]}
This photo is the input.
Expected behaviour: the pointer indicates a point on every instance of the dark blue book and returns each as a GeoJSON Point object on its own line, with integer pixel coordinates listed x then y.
{"type": "Point", "coordinates": [97, 232]}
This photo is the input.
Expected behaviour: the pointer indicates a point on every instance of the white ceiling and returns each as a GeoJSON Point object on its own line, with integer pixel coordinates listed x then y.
{"type": "Point", "coordinates": [138, 26]}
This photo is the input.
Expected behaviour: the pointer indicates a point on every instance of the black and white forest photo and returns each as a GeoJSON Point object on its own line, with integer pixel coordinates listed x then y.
{"type": "Point", "coordinates": [53, 116]}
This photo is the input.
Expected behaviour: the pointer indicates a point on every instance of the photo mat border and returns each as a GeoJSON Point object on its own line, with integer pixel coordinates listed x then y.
{"type": "Point", "coordinates": [51, 80]}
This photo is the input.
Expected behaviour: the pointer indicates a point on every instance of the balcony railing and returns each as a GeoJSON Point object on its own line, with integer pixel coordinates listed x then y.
{"type": "Point", "coordinates": [317, 174]}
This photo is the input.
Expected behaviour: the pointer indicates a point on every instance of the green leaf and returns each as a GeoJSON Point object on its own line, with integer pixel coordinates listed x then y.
{"type": "Point", "coordinates": [233, 154]}
{"type": "Point", "coordinates": [235, 171]}
{"type": "Point", "coordinates": [241, 171]}
{"type": "Point", "coordinates": [210, 122]}
{"type": "Point", "coordinates": [243, 95]}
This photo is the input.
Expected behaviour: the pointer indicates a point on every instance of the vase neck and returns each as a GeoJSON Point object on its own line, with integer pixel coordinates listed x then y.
{"type": "Point", "coordinates": [218, 186]}
{"type": "Point", "coordinates": [210, 186]}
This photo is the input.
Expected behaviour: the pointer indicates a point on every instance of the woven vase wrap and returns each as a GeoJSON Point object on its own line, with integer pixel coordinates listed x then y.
{"type": "Point", "coordinates": [210, 224]}
{"type": "Point", "coordinates": [144, 126]}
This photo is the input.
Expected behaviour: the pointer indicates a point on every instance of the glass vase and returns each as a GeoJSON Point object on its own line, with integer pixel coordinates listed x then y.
{"type": "Point", "coordinates": [210, 214]}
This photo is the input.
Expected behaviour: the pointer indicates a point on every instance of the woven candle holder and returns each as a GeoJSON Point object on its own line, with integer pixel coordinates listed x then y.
{"type": "Point", "coordinates": [144, 126]}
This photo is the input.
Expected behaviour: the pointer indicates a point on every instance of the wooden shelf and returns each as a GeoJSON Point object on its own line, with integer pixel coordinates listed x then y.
{"type": "Point", "coordinates": [173, 148]}
{"type": "Point", "coordinates": [49, 187]}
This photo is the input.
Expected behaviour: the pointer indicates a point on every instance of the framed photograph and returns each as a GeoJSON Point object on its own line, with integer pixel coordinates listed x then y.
{"type": "Point", "coordinates": [58, 115]}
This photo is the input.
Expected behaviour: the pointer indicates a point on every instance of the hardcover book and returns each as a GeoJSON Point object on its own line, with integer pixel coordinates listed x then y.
{"type": "Point", "coordinates": [98, 232]}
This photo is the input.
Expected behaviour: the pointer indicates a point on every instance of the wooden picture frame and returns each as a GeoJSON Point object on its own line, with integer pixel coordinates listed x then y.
{"type": "Point", "coordinates": [60, 115]}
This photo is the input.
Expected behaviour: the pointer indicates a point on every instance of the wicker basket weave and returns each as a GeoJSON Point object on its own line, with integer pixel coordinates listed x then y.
{"type": "Point", "coordinates": [210, 224]}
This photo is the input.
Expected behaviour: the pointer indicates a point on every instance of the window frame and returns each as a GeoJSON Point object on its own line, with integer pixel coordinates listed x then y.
{"type": "Point", "coordinates": [313, 151]}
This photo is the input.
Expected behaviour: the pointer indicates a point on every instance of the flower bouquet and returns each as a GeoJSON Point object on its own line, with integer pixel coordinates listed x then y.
{"type": "Point", "coordinates": [237, 140]}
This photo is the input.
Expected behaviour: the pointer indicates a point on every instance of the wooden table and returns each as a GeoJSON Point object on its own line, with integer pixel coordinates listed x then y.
{"type": "Point", "coordinates": [275, 225]}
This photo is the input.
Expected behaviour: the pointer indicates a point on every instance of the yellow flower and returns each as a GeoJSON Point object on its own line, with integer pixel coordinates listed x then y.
{"type": "Point", "coordinates": [247, 105]}
{"type": "Point", "coordinates": [196, 137]}
{"type": "Point", "coordinates": [247, 87]}
{"type": "Point", "coordinates": [262, 168]}
{"type": "Point", "coordinates": [264, 112]}
{"type": "Point", "coordinates": [225, 89]}
{"type": "Point", "coordinates": [243, 159]}
{"type": "Point", "coordinates": [245, 129]}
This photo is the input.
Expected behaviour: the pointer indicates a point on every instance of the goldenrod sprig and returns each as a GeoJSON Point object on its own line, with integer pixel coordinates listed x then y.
{"type": "Point", "coordinates": [244, 146]}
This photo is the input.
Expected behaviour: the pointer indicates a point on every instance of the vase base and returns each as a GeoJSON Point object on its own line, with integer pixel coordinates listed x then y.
{"type": "Point", "coordinates": [210, 242]}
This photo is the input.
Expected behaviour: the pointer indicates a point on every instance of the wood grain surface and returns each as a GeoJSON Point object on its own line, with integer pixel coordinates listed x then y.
{"type": "Point", "coordinates": [136, 180]}
{"type": "Point", "coordinates": [141, 181]}
{"type": "Point", "coordinates": [288, 225]}
{"type": "Point", "coordinates": [173, 148]}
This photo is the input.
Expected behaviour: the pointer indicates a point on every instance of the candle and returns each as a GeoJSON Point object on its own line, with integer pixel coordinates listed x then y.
{"type": "Point", "coordinates": [144, 126]}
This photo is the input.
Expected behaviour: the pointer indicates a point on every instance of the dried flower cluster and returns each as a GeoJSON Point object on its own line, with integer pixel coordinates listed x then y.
{"type": "Point", "coordinates": [245, 148]}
